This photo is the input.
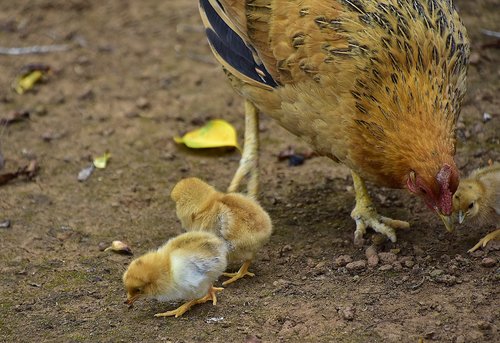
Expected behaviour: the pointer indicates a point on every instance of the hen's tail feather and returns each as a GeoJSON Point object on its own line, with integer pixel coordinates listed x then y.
{"type": "Point", "coordinates": [230, 49]}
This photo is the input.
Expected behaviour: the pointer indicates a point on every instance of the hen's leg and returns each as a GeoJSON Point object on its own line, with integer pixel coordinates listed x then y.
{"type": "Point", "coordinates": [495, 235]}
{"type": "Point", "coordinates": [239, 274]}
{"type": "Point", "coordinates": [249, 163]}
{"type": "Point", "coordinates": [365, 214]}
{"type": "Point", "coordinates": [211, 295]}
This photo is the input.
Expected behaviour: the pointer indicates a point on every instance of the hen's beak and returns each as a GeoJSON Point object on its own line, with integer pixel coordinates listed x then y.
{"type": "Point", "coordinates": [447, 221]}
{"type": "Point", "coordinates": [461, 217]}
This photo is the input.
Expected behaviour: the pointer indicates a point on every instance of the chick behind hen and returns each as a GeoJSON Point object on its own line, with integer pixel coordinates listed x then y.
{"type": "Point", "coordinates": [239, 219]}
{"type": "Point", "coordinates": [184, 268]}
{"type": "Point", "coordinates": [478, 199]}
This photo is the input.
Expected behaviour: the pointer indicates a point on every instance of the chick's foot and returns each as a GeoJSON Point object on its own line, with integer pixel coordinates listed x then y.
{"type": "Point", "coordinates": [211, 296]}
{"type": "Point", "coordinates": [366, 216]}
{"type": "Point", "coordinates": [239, 274]}
{"type": "Point", "coordinates": [495, 235]}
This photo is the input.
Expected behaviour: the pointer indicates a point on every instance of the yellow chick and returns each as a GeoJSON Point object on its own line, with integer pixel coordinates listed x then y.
{"type": "Point", "coordinates": [184, 268]}
{"type": "Point", "coordinates": [478, 198]}
{"type": "Point", "coordinates": [239, 219]}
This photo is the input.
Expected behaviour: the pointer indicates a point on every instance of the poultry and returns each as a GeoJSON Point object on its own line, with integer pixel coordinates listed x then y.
{"type": "Point", "coordinates": [239, 219]}
{"type": "Point", "coordinates": [375, 85]}
{"type": "Point", "coordinates": [478, 198]}
{"type": "Point", "coordinates": [184, 268]}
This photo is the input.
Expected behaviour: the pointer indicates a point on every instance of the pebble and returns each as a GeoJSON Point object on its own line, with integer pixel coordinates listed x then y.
{"type": "Point", "coordinates": [356, 265]}
{"type": "Point", "coordinates": [373, 261]}
{"type": "Point", "coordinates": [142, 103]}
{"type": "Point", "coordinates": [387, 257]}
{"type": "Point", "coordinates": [386, 267]}
{"type": "Point", "coordinates": [488, 262]}
{"type": "Point", "coordinates": [397, 266]}
{"type": "Point", "coordinates": [343, 260]}
{"type": "Point", "coordinates": [5, 224]}
{"type": "Point", "coordinates": [347, 313]}
{"type": "Point", "coordinates": [447, 279]}
{"type": "Point", "coordinates": [436, 272]}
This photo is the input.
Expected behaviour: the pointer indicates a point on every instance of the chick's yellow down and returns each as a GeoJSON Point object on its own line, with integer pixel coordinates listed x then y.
{"type": "Point", "coordinates": [478, 198]}
{"type": "Point", "coordinates": [184, 268]}
{"type": "Point", "coordinates": [239, 219]}
{"type": "Point", "coordinates": [376, 85]}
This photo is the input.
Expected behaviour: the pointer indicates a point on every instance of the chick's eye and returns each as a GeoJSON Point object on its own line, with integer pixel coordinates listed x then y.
{"type": "Point", "coordinates": [471, 205]}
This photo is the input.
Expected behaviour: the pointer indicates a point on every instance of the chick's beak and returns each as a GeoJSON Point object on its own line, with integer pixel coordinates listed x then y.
{"type": "Point", "coordinates": [447, 221]}
{"type": "Point", "coordinates": [131, 299]}
{"type": "Point", "coordinates": [461, 217]}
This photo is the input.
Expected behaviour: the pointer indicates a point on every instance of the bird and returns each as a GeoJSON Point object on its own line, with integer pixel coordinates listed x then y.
{"type": "Point", "coordinates": [184, 268]}
{"type": "Point", "coordinates": [478, 199]}
{"type": "Point", "coordinates": [375, 85]}
{"type": "Point", "coordinates": [237, 218]}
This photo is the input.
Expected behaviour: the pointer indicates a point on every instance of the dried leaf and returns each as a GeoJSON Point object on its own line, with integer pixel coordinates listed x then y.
{"type": "Point", "coordinates": [26, 82]}
{"type": "Point", "coordinates": [120, 248]}
{"type": "Point", "coordinates": [29, 171]}
{"type": "Point", "coordinates": [85, 173]}
{"type": "Point", "coordinates": [101, 161]}
{"type": "Point", "coordinates": [215, 134]}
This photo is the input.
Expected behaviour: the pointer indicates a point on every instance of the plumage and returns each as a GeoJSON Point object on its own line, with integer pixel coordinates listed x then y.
{"type": "Point", "coordinates": [477, 200]}
{"type": "Point", "coordinates": [237, 218]}
{"type": "Point", "coordinates": [376, 85]}
{"type": "Point", "coordinates": [184, 268]}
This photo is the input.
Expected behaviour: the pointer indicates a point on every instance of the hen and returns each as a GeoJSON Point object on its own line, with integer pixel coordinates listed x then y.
{"type": "Point", "coordinates": [376, 85]}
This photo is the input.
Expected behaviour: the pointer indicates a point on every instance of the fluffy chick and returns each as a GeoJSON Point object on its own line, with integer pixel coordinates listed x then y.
{"type": "Point", "coordinates": [239, 219]}
{"type": "Point", "coordinates": [478, 198]}
{"type": "Point", "coordinates": [184, 268]}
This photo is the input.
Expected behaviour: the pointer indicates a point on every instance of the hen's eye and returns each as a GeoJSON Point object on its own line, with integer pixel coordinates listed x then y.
{"type": "Point", "coordinates": [423, 191]}
{"type": "Point", "coordinates": [471, 205]}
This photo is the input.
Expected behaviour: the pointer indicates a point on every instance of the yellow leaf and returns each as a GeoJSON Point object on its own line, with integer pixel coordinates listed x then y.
{"type": "Point", "coordinates": [215, 134]}
{"type": "Point", "coordinates": [27, 82]}
{"type": "Point", "coordinates": [101, 161]}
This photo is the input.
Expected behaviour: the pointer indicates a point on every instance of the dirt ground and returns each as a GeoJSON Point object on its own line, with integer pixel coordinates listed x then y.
{"type": "Point", "coordinates": [140, 72]}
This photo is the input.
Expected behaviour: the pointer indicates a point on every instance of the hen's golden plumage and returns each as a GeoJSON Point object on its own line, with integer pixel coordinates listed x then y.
{"type": "Point", "coordinates": [376, 85]}
{"type": "Point", "coordinates": [237, 218]}
{"type": "Point", "coordinates": [478, 199]}
{"type": "Point", "coordinates": [184, 268]}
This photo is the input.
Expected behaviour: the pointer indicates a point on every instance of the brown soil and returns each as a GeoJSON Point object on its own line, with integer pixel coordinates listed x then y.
{"type": "Point", "coordinates": [141, 72]}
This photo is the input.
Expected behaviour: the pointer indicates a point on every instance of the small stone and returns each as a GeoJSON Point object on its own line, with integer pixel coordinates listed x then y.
{"type": "Point", "coordinates": [370, 251]}
{"type": "Point", "coordinates": [488, 262]}
{"type": "Point", "coordinates": [386, 267]}
{"type": "Point", "coordinates": [343, 260]}
{"type": "Point", "coordinates": [486, 117]}
{"type": "Point", "coordinates": [5, 224]}
{"type": "Point", "coordinates": [347, 313]}
{"type": "Point", "coordinates": [142, 103]}
{"type": "Point", "coordinates": [409, 263]}
{"type": "Point", "coordinates": [356, 265]}
{"type": "Point", "coordinates": [320, 265]}
{"type": "Point", "coordinates": [474, 58]}
{"type": "Point", "coordinates": [373, 261]}
{"type": "Point", "coordinates": [447, 279]}
{"type": "Point", "coordinates": [397, 266]}
{"type": "Point", "coordinates": [286, 248]}
{"type": "Point", "coordinates": [460, 339]}
{"type": "Point", "coordinates": [484, 326]}
{"type": "Point", "coordinates": [387, 257]}
{"type": "Point", "coordinates": [436, 272]}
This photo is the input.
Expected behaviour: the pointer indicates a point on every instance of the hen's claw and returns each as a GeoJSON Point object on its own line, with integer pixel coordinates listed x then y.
{"type": "Point", "coordinates": [366, 216]}
{"type": "Point", "coordinates": [495, 235]}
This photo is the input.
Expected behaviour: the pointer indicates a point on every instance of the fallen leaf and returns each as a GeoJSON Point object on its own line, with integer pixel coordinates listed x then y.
{"type": "Point", "coordinates": [85, 173]}
{"type": "Point", "coordinates": [29, 171]}
{"type": "Point", "coordinates": [101, 161]}
{"type": "Point", "coordinates": [27, 82]}
{"type": "Point", "coordinates": [120, 248]}
{"type": "Point", "coordinates": [216, 133]}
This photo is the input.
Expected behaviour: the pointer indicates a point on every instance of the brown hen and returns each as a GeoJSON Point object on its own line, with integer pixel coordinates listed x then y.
{"type": "Point", "coordinates": [376, 85]}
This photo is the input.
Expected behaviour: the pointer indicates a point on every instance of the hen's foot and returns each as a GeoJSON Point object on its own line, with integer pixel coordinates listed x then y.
{"type": "Point", "coordinates": [249, 163]}
{"type": "Point", "coordinates": [366, 216]}
{"type": "Point", "coordinates": [495, 235]}
{"type": "Point", "coordinates": [238, 275]}
{"type": "Point", "coordinates": [211, 296]}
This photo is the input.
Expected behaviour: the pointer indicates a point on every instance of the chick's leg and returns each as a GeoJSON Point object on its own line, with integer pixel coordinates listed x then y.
{"type": "Point", "coordinates": [495, 235]}
{"type": "Point", "coordinates": [365, 214]}
{"type": "Point", "coordinates": [239, 274]}
{"type": "Point", "coordinates": [249, 163]}
{"type": "Point", "coordinates": [179, 311]}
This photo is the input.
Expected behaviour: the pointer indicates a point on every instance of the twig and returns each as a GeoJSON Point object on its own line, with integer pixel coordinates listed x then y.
{"type": "Point", "coordinates": [35, 49]}
{"type": "Point", "coordinates": [494, 34]}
